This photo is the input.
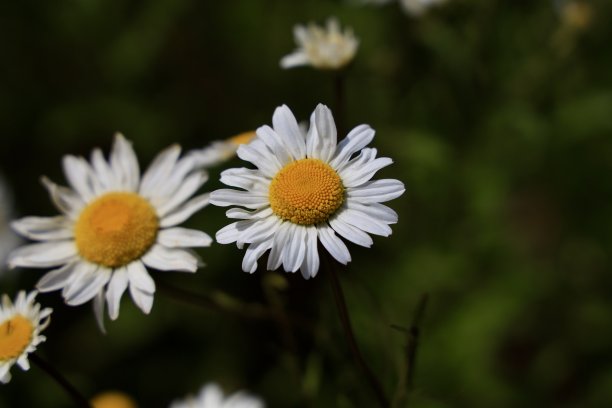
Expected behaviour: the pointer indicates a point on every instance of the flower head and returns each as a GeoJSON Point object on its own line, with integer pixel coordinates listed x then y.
{"type": "Point", "coordinates": [323, 48]}
{"type": "Point", "coordinates": [220, 151]}
{"type": "Point", "coordinates": [211, 396]}
{"type": "Point", "coordinates": [114, 223]}
{"type": "Point", "coordinates": [20, 326]}
{"type": "Point", "coordinates": [306, 188]}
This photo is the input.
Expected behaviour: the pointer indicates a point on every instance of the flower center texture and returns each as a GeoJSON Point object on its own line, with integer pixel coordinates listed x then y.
{"type": "Point", "coordinates": [15, 335]}
{"type": "Point", "coordinates": [306, 192]}
{"type": "Point", "coordinates": [116, 229]}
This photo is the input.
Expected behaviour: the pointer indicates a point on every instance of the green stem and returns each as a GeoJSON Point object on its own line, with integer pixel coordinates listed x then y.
{"type": "Point", "coordinates": [77, 397]}
{"type": "Point", "coordinates": [350, 336]}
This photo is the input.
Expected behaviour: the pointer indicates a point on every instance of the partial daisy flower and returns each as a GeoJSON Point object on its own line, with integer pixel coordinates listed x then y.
{"type": "Point", "coordinates": [323, 48]}
{"type": "Point", "coordinates": [306, 188]}
{"type": "Point", "coordinates": [114, 224]}
{"type": "Point", "coordinates": [211, 396]}
{"type": "Point", "coordinates": [220, 151]}
{"type": "Point", "coordinates": [8, 239]}
{"type": "Point", "coordinates": [20, 327]}
{"type": "Point", "coordinates": [113, 399]}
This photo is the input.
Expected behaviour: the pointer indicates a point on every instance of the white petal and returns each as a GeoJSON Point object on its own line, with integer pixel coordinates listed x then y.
{"type": "Point", "coordinates": [140, 278]}
{"type": "Point", "coordinates": [89, 287]}
{"type": "Point", "coordinates": [253, 253]}
{"type": "Point", "coordinates": [247, 179]}
{"type": "Point", "coordinates": [258, 153]}
{"type": "Point", "coordinates": [116, 286]}
{"type": "Point", "coordinates": [310, 266]}
{"type": "Point", "coordinates": [102, 171]}
{"type": "Point", "coordinates": [80, 176]}
{"type": "Point", "coordinates": [275, 143]}
{"type": "Point", "coordinates": [143, 300]}
{"type": "Point", "coordinates": [159, 170]}
{"type": "Point", "coordinates": [184, 192]}
{"type": "Point", "coordinates": [375, 210]}
{"type": "Point", "coordinates": [376, 191]}
{"type": "Point", "coordinates": [294, 59]}
{"type": "Point", "coordinates": [333, 244]}
{"type": "Point", "coordinates": [351, 232]}
{"type": "Point", "coordinates": [285, 124]}
{"type": "Point", "coordinates": [242, 214]}
{"type": "Point", "coordinates": [281, 237]}
{"type": "Point", "coordinates": [98, 308]}
{"type": "Point", "coordinates": [295, 248]}
{"type": "Point", "coordinates": [44, 228]}
{"type": "Point", "coordinates": [56, 279]}
{"type": "Point", "coordinates": [226, 197]}
{"type": "Point", "coordinates": [43, 255]}
{"type": "Point", "coordinates": [183, 237]}
{"type": "Point", "coordinates": [170, 259]}
{"type": "Point", "coordinates": [124, 163]}
{"type": "Point", "coordinates": [185, 211]}
{"type": "Point", "coordinates": [326, 132]}
{"type": "Point", "coordinates": [64, 199]}
{"type": "Point", "coordinates": [353, 176]}
{"type": "Point", "coordinates": [364, 222]}
{"type": "Point", "coordinates": [357, 139]}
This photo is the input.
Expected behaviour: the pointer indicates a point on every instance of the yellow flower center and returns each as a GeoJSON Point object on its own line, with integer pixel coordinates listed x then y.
{"type": "Point", "coordinates": [306, 192]}
{"type": "Point", "coordinates": [112, 399]}
{"type": "Point", "coordinates": [116, 229]}
{"type": "Point", "coordinates": [242, 138]}
{"type": "Point", "coordinates": [15, 335]}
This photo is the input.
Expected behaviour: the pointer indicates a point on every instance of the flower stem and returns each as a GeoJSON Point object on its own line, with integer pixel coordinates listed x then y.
{"type": "Point", "coordinates": [339, 101]}
{"type": "Point", "coordinates": [77, 397]}
{"type": "Point", "coordinates": [350, 336]}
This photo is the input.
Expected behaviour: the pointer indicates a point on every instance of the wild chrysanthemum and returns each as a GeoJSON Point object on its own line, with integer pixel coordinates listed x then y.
{"type": "Point", "coordinates": [20, 327]}
{"type": "Point", "coordinates": [114, 223]}
{"type": "Point", "coordinates": [306, 188]}
{"type": "Point", "coordinates": [113, 399]}
{"type": "Point", "coordinates": [220, 151]}
{"type": "Point", "coordinates": [323, 48]}
{"type": "Point", "coordinates": [211, 396]}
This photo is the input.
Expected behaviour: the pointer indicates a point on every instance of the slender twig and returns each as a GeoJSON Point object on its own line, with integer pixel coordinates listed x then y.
{"type": "Point", "coordinates": [77, 397]}
{"type": "Point", "coordinates": [413, 333]}
{"type": "Point", "coordinates": [350, 336]}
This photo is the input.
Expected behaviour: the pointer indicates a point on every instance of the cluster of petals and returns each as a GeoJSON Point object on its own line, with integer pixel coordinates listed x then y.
{"type": "Point", "coordinates": [292, 245]}
{"type": "Point", "coordinates": [211, 396]}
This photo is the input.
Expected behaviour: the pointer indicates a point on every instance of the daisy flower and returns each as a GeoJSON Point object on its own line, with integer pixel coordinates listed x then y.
{"type": "Point", "coordinates": [114, 224]}
{"type": "Point", "coordinates": [306, 188]}
{"type": "Point", "coordinates": [323, 48]}
{"type": "Point", "coordinates": [20, 327]}
{"type": "Point", "coordinates": [220, 151]}
{"type": "Point", "coordinates": [211, 396]}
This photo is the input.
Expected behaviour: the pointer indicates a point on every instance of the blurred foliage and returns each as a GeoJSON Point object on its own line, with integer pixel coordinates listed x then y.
{"type": "Point", "coordinates": [498, 116]}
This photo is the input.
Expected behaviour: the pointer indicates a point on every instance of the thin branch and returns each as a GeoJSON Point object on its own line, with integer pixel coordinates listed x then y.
{"type": "Point", "coordinates": [77, 397]}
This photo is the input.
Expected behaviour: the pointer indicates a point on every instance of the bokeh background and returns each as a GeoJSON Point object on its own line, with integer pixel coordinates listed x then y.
{"type": "Point", "coordinates": [498, 115]}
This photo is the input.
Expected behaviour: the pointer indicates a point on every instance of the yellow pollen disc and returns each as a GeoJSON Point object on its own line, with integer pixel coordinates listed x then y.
{"type": "Point", "coordinates": [116, 229]}
{"type": "Point", "coordinates": [15, 335]}
{"type": "Point", "coordinates": [306, 192]}
{"type": "Point", "coordinates": [113, 399]}
{"type": "Point", "coordinates": [242, 138]}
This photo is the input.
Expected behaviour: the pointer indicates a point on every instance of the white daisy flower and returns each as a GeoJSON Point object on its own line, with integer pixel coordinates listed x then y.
{"type": "Point", "coordinates": [220, 151]}
{"type": "Point", "coordinates": [211, 396]}
{"type": "Point", "coordinates": [323, 48]}
{"type": "Point", "coordinates": [20, 327]}
{"type": "Point", "coordinates": [306, 188]}
{"type": "Point", "coordinates": [114, 224]}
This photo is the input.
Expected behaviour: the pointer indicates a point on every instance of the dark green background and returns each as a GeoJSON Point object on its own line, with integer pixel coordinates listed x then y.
{"type": "Point", "coordinates": [498, 117]}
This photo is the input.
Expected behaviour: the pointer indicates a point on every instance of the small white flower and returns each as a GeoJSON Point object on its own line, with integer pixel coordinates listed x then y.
{"type": "Point", "coordinates": [220, 151]}
{"type": "Point", "coordinates": [211, 396]}
{"type": "Point", "coordinates": [306, 188]}
{"type": "Point", "coordinates": [419, 7]}
{"type": "Point", "coordinates": [323, 48]}
{"type": "Point", "coordinates": [114, 223]}
{"type": "Point", "coordinates": [20, 327]}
